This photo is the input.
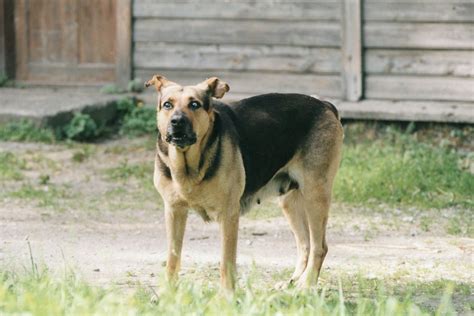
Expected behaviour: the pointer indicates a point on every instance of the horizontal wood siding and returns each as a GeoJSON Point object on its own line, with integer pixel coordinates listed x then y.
{"type": "Point", "coordinates": [252, 83]}
{"type": "Point", "coordinates": [419, 10]}
{"type": "Point", "coordinates": [420, 62]}
{"type": "Point", "coordinates": [256, 46]}
{"type": "Point", "coordinates": [223, 31]}
{"type": "Point", "coordinates": [237, 57]}
{"type": "Point", "coordinates": [242, 10]}
{"type": "Point", "coordinates": [419, 50]}
{"type": "Point", "coordinates": [419, 35]}
{"type": "Point", "coordinates": [420, 88]}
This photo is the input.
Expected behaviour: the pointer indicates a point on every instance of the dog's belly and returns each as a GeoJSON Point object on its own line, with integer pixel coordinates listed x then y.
{"type": "Point", "coordinates": [280, 184]}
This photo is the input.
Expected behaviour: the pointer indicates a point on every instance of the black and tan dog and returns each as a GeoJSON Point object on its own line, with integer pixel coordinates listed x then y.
{"type": "Point", "coordinates": [220, 159]}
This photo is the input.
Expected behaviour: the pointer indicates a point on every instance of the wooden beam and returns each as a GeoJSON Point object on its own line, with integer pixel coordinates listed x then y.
{"type": "Point", "coordinates": [418, 111]}
{"type": "Point", "coordinates": [123, 68]}
{"type": "Point", "coordinates": [7, 54]}
{"type": "Point", "coordinates": [352, 49]}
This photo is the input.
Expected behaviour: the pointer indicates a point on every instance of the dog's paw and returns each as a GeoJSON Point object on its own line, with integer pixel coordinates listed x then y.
{"type": "Point", "coordinates": [283, 285]}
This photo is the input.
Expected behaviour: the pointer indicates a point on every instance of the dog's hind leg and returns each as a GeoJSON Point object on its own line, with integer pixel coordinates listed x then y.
{"type": "Point", "coordinates": [293, 209]}
{"type": "Point", "coordinates": [317, 208]}
{"type": "Point", "coordinates": [175, 218]}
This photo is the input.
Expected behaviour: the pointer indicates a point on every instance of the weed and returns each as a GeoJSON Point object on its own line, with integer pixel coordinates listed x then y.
{"type": "Point", "coordinates": [135, 85]}
{"type": "Point", "coordinates": [3, 80]}
{"type": "Point", "coordinates": [137, 119]}
{"type": "Point", "coordinates": [82, 154]}
{"type": "Point", "coordinates": [81, 128]}
{"type": "Point", "coordinates": [11, 166]}
{"type": "Point", "coordinates": [45, 195]}
{"type": "Point", "coordinates": [26, 131]}
{"type": "Point", "coordinates": [111, 89]}
{"type": "Point", "coordinates": [126, 170]}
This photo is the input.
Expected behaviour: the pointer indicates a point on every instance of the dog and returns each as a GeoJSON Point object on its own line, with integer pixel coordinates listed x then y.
{"type": "Point", "coordinates": [220, 159]}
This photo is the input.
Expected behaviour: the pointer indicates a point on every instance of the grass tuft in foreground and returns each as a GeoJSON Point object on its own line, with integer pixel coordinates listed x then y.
{"type": "Point", "coordinates": [39, 293]}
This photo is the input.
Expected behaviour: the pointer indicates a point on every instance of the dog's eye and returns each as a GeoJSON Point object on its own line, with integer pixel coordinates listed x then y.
{"type": "Point", "coordinates": [167, 105]}
{"type": "Point", "coordinates": [194, 105]}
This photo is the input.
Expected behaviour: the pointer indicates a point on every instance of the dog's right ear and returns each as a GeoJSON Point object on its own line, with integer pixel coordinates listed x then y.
{"type": "Point", "coordinates": [159, 82]}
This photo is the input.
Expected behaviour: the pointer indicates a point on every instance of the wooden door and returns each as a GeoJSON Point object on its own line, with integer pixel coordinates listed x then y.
{"type": "Point", "coordinates": [67, 42]}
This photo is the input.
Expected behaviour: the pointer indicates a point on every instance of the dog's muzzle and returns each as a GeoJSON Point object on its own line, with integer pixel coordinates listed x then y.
{"type": "Point", "coordinates": [180, 131]}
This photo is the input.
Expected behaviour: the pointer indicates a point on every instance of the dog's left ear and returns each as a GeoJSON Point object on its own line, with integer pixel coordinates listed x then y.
{"type": "Point", "coordinates": [216, 87]}
{"type": "Point", "coordinates": [159, 82]}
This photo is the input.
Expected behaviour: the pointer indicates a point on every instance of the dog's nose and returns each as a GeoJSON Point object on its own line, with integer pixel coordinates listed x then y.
{"type": "Point", "coordinates": [178, 120]}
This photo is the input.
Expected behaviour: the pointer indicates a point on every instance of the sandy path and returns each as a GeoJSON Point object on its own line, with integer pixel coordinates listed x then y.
{"type": "Point", "coordinates": [124, 247]}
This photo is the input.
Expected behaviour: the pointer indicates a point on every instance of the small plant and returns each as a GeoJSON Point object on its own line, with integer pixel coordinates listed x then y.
{"type": "Point", "coordinates": [126, 170]}
{"type": "Point", "coordinates": [3, 80]}
{"type": "Point", "coordinates": [11, 166]}
{"type": "Point", "coordinates": [111, 89]}
{"type": "Point", "coordinates": [137, 119]}
{"type": "Point", "coordinates": [82, 154]}
{"type": "Point", "coordinates": [81, 128]}
{"type": "Point", "coordinates": [26, 131]}
{"type": "Point", "coordinates": [135, 85]}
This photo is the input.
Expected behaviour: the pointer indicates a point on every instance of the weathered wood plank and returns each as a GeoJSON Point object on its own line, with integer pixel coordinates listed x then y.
{"type": "Point", "coordinates": [123, 60]}
{"type": "Point", "coordinates": [419, 111]}
{"type": "Point", "coordinates": [419, 62]}
{"type": "Point", "coordinates": [63, 74]}
{"type": "Point", "coordinates": [21, 40]}
{"type": "Point", "coordinates": [419, 35]}
{"type": "Point", "coordinates": [419, 11]}
{"type": "Point", "coordinates": [256, 83]}
{"type": "Point", "coordinates": [352, 49]}
{"type": "Point", "coordinates": [3, 58]}
{"type": "Point", "coordinates": [454, 112]}
{"type": "Point", "coordinates": [419, 88]}
{"type": "Point", "coordinates": [238, 32]}
{"type": "Point", "coordinates": [262, 10]}
{"type": "Point", "coordinates": [97, 31]}
{"type": "Point", "coordinates": [232, 57]}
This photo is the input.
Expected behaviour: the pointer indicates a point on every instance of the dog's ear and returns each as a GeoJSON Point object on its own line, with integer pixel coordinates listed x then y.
{"type": "Point", "coordinates": [159, 82]}
{"type": "Point", "coordinates": [216, 87]}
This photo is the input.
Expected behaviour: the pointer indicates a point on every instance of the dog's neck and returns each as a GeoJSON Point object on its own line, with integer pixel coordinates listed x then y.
{"type": "Point", "coordinates": [186, 165]}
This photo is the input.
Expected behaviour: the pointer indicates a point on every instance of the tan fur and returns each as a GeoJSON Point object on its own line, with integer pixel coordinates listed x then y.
{"type": "Point", "coordinates": [314, 167]}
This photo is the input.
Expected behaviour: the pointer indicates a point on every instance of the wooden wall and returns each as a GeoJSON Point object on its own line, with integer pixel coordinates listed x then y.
{"type": "Point", "coordinates": [409, 49]}
{"type": "Point", "coordinates": [419, 49]}
{"type": "Point", "coordinates": [257, 46]}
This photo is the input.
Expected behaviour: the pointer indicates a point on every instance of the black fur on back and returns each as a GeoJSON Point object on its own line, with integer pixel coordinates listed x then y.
{"type": "Point", "coordinates": [269, 128]}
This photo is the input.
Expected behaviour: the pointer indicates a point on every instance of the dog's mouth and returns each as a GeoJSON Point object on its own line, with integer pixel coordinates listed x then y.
{"type": "Point", "coordinates": [181, 139]}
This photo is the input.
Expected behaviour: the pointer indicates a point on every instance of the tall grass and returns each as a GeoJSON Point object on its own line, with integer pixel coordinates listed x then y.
{"type": "Point", "coordinates": [41, 294]}
{"type": "Point", "coordinates": [396, 169]}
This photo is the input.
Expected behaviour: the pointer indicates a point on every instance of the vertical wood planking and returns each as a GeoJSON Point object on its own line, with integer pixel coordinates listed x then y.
{"type": "Point", "coordinates": [3, 53]}
{"type": "Point", "coordinates": [352, 49]}
{"type": "Point", "coordinates": [21, 39]}
{"type": "Point", "coordinates": [123, 68]}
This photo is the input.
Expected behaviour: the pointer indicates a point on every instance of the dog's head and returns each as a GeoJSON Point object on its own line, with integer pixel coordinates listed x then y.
{"type": "Point", "coordinates": [184, 113]}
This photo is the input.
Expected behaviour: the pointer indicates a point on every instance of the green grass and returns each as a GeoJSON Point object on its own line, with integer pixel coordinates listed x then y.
{"type": "Point", "coordinates": [396, 169]}
{"type": "Point", "coordinates": [134, 119]}
{"type": "Point", "coordinates": [26, 131]}
{"type": "Point", "coordinates": [43, 194]}
{"type": "Point", "coordinates": [126, 170]}
{"type": "Point", "coordinates": [41, 293]}
{"type": "Point", "coordinates": [11, 167]}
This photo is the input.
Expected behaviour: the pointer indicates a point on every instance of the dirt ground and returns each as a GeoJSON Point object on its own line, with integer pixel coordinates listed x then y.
{"type": "Point", "coordinates": [92, 208]}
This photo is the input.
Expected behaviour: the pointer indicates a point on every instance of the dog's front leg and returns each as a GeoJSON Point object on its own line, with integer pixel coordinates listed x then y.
{"type": "Point", "coordinates": [229, 232]}
{"type": "Point", "coordinates": [175, 217]}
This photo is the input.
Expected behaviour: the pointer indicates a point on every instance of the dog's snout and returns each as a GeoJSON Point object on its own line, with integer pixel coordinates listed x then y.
{"type": "Point", "coordinates": [178, 120]}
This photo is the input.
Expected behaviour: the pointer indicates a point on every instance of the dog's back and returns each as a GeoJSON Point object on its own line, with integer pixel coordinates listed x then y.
{"type": "Point", "coordinates": [271, 128]}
